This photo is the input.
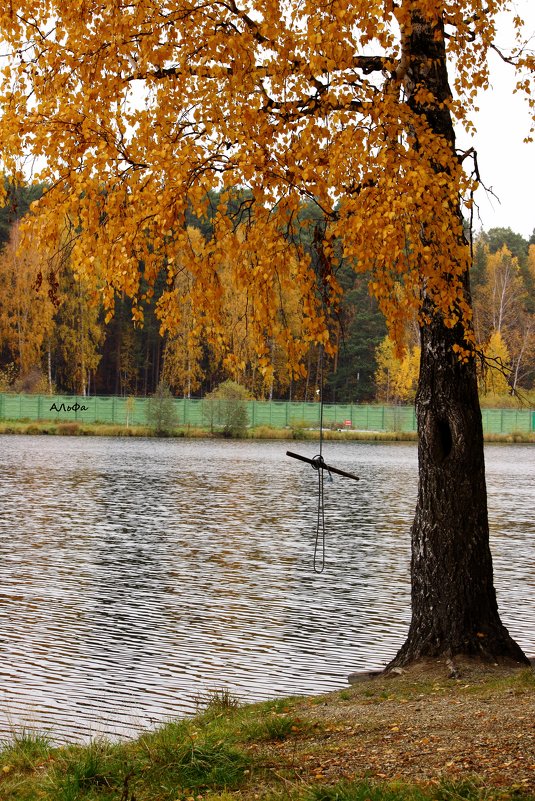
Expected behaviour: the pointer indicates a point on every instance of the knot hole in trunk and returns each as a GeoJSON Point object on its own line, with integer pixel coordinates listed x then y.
{"type": "Point", "coordinates": [444, 439]}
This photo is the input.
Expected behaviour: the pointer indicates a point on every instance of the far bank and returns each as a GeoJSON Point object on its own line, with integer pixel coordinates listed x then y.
{"type": "Point", "coordinates": [201, 417]}
{"type": "Point", "coordinates": [47, 427]}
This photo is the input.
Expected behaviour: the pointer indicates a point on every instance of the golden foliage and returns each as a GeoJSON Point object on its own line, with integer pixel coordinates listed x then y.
{"type": "Point", "coordinates": [531, 262]}
{"type": "Point", "coordinates": [502, 307]}
{"type": "Point", "coordinates": [26, 315]}
{"type": "Point", "coordinates": [77, 334]}
{"type": "Point", "coordinates": [35, 319]}
{"type": "Point", "coordinates": [139, 110]}
{"type": "Point", "coordinates": [182, 350]}
{"type": "Point", "coordinates": [496, 367]}
{"type": "Point", "coordinates": [396, 376]}
{"type": "Point", "coordinates": [502, 292]}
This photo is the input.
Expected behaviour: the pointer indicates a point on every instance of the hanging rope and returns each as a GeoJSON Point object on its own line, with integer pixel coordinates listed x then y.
{"type": "Point", "coordinates": [318, 462]}
{"type": "Point", "coordinates": [319, 563]}
{"type": "Point", "coordinates": [324, 270]}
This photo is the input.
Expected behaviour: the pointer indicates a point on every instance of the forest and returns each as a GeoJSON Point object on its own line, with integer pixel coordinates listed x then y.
{"type": "Point", "coordinates": [55, 334]}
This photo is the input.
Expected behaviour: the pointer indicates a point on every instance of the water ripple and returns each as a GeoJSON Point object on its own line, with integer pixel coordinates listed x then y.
{"type": "Point", "coordinates": [137, 574]}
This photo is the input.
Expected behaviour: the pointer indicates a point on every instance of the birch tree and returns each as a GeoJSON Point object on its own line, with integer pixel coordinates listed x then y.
{"type": "Point", "coordinates": [26, 316]}
{"type": "Point", "coordinates": [138, 110]}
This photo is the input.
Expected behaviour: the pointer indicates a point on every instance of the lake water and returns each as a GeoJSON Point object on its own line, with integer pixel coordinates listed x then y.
{"type": "Point", "coordinates": [138, 575]}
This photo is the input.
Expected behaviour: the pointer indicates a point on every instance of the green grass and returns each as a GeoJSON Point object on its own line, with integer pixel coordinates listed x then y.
{"type": "Point", "coordinates": [257, 752]}
{"type": "Point", "coordinates": [75, 428]}
{"type": "Point", "coordinates": [178, 758]}
{"type": "Point", "coordinates": [23, 749]}
{"type": "Point", "coordinates": [365, 790]}
{"type": "Point", "coordinates": [218, 702]}
{"type": "Point", "coordinates": [520, 682]}
{"type": "Point", "coordinates": [224, 717]}
{"type": "Point", "coordinates": [182, 756]}
{"type": "Point", "coordinates": [212, 757]}
{"type": "Point", "coordinates": [205, 754]}
{"type": "Point", "coordinates": [466, 790]}
{"type": "Point", "coordinates": [273, 727]}
{"type": "Point", "coordinates": [95, 771]}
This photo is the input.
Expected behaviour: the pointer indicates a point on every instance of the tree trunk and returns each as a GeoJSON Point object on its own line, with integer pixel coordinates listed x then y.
{"type": "Point", "coordinates": [454, 607]}
{"type": "Point", "coordinates": [49, 366]}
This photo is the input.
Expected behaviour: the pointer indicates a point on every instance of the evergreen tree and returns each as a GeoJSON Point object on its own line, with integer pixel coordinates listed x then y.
{"type": "Point", "coordinates": [17, 202]}
{"type": "Point", "coordinates": [361, 329]}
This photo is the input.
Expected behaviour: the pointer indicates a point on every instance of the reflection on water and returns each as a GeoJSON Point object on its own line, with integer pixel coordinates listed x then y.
{"type": "Point", "coordinates": [138, 574]}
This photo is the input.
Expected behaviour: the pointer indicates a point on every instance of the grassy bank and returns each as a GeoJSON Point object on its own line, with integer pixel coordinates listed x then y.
{"type": "Point", "coordinates": [260, 432]}
{"type": "Point", "coordinates": [416, 737]}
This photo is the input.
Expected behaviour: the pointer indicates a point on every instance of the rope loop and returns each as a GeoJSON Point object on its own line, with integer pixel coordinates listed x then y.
{"type": "Point", "coordinates": [318, 463]}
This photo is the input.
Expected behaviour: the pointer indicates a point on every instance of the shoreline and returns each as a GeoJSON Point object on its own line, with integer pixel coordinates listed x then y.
{"type": "Point", "coordinates": [416, 736]}
{"type": "Point", "coordinates": [66, 428]}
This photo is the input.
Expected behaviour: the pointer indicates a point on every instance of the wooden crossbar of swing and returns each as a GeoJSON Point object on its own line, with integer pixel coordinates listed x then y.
{"type": "Point", "coordinates": [320, 464]}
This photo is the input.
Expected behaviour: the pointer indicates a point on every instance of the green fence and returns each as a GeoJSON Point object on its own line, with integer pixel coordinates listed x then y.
{"type": "Point", "coordinates": [276, 414]}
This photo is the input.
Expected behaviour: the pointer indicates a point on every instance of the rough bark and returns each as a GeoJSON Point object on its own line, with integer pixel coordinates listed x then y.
{"type": "Point", "coordinates": [454, 607]}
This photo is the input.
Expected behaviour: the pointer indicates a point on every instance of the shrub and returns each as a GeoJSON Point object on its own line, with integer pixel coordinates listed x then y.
{"type": "Point", "coordinates": [226, 408]}
{"type": "Point", "coordinates": [161, 414]}
{"type": "Point", "coordinates": [217, 702]}
{"type": "Point", "coordinates": [69, 429]}
{"type": "Point", "coordinates": [32, 382]}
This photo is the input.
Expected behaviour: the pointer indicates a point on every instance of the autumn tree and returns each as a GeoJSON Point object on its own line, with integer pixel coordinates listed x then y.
{"type": "Point", "coordinates": [260, 375]}
{"type": "Point", "coordinates": [502, 292]}
{"type": "Point", "coordinates": [26, 316]}
{"type": "Point", "coordinates": [498, 238]}
{"type": "Point", "coordinates": [396, 376]}
{"type": "Point", "coordinates": [77, 334]}
{"type": "Point", "coordinates": [182, 351]}
{"type": "Point", "coordinates": [139, 115]}
{"type": "Point", "coordinates": [503, 307]}
{"type": "Point", "coordinates": [496, 367]}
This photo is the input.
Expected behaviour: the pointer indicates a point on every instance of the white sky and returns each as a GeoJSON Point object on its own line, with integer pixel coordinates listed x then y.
{"type": "Point", "coordinates": [506, 164]}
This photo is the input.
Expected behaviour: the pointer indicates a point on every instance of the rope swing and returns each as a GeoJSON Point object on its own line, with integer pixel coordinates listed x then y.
{"type": "Point", "coordinates": [324, 272]}
{"type": "Point", "coordinates": [320, 465]}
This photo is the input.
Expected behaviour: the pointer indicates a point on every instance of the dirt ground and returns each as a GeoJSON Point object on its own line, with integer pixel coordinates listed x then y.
{"type": "Point", "coordinates": [419, 726]}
